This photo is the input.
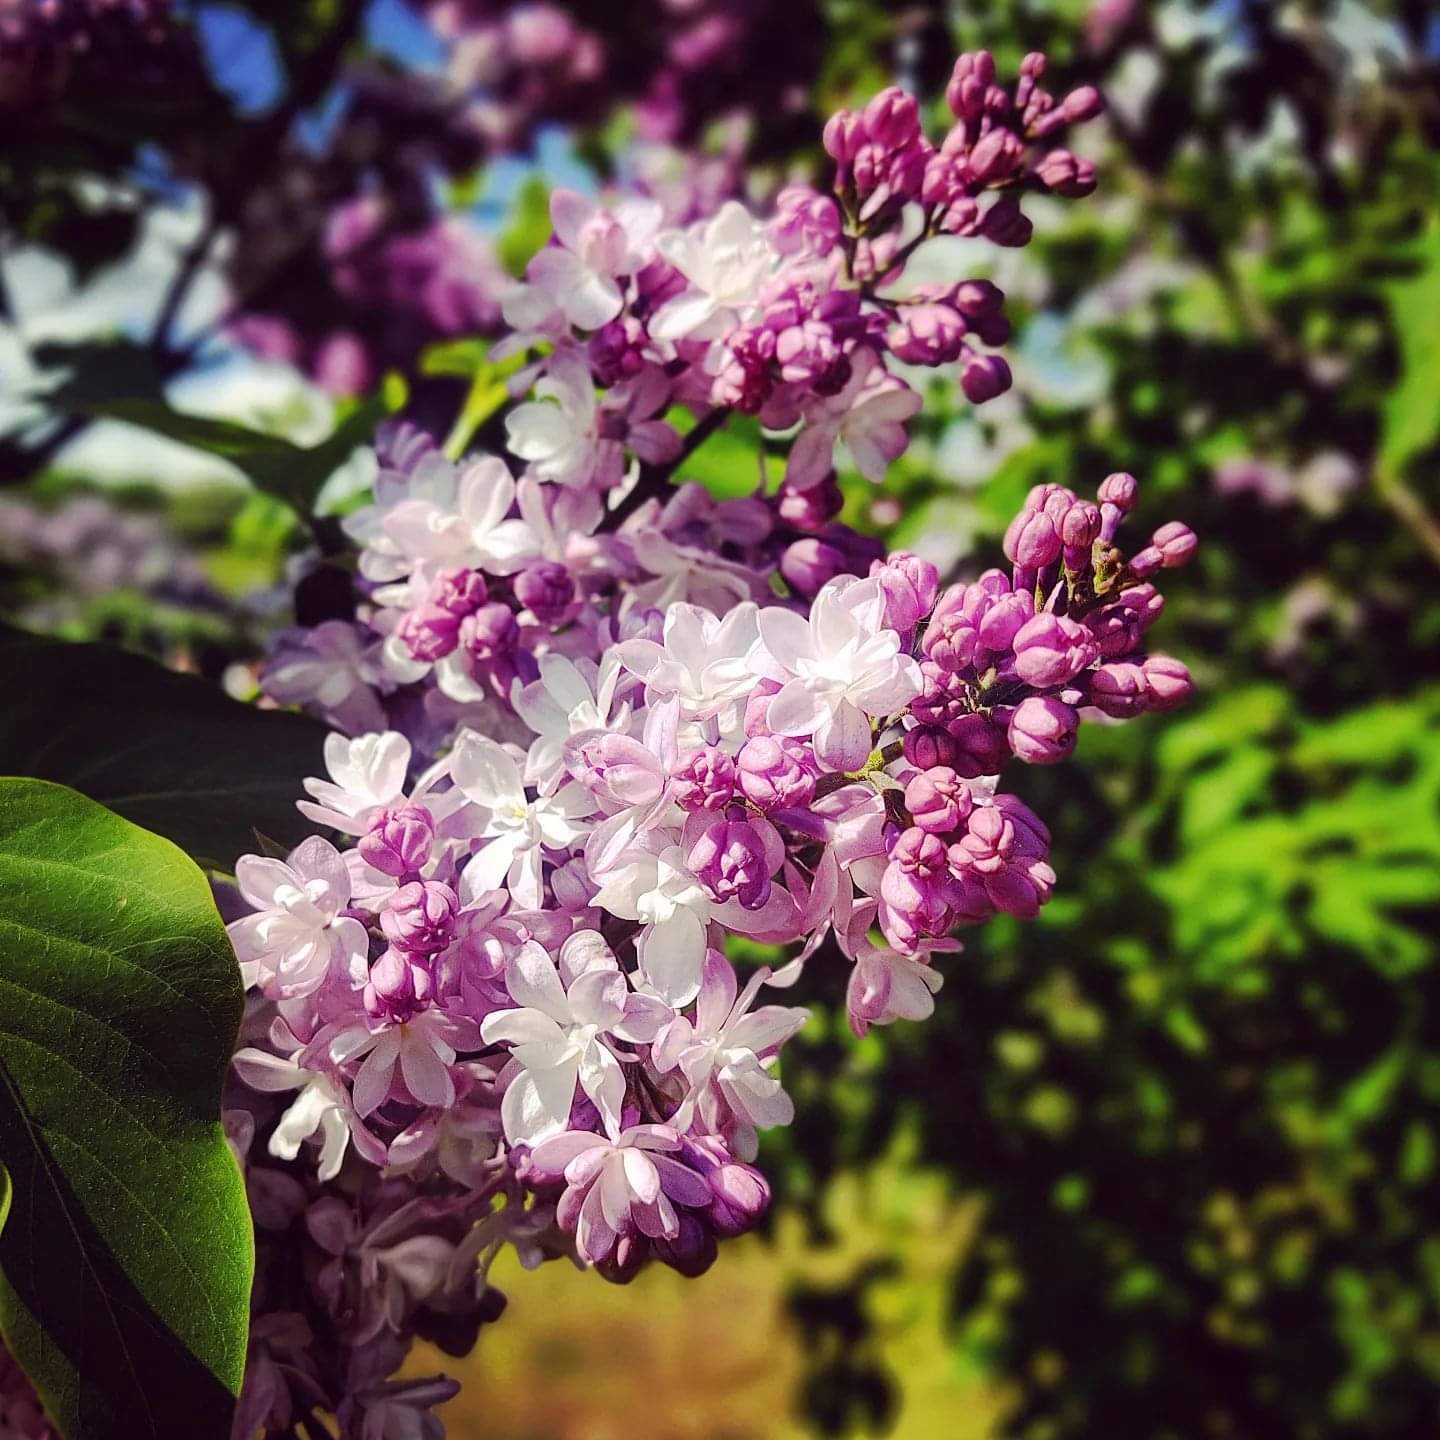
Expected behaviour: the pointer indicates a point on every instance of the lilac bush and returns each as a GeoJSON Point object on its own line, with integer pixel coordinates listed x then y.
{"type": "Point", "coordinates": [589, 723]}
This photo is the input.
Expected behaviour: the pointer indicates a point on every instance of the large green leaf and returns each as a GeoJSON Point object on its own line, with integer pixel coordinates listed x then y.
{"type": "Point", "coordinates": [126, 1250]}
{"type": "Point", "coordinates": [168, 751]}
{"type": "Point", "coordinates": [290, 472]}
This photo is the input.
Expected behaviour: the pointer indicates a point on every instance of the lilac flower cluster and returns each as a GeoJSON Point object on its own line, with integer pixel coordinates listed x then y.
{"type": "Point", "coordinates": [398, 286]}
{"type": "Point", "coordinates": [683, 63]}
{"type": "Point", "coordinates": [591, 724]}
{"type": "Point", "coordinates": [48, 45]}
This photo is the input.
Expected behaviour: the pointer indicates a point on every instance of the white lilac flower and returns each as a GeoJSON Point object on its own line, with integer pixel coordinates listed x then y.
{"type": "Point", "coordinates": [460, 515]}
{"type": "Point", "coordinates": [869, 415]}
{"type": "Point", "coordinates": [298, 937]}
{"type": "Point", "coordinates": [322, 1105]}
{"type": "Point", "coordinates": [702, 659]}
{"type": "Point", "coordinates": [558, 435]}
{"type": "Point", "coordinates": [516, 827]}
{"type": "Point", "coordinates": [558, 1039]}
{"type": "Point", "coordinates": [721, 1050]}
{"type": "Point", "coordinates": [331, 668]}
{"type": "Point", "coordinates": [422, 1049]}
{"type": "Point", "coordinates": [654, 887]}
{"type": "Point", "coordinates": [836, 669]}
{"type": "Point", "coordinates": [726, 261]}
{"type": "Point", "coordinates": [578, 276]}
{"type": "Point", "coordinates": [567, 700]}
{"type": "Point", "coordinates": [367, 774]}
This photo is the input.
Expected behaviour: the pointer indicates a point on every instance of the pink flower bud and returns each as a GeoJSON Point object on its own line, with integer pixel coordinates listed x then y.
{"type": "Point", "coordinates": [1051, 650]}
{"type": "Point", "coordinates": [706, 780]}
{"type": "Point", "coordinates": [928, 746]}
{"type": "Point", "coordinates": [459, 591]}
{"type": "Point", "coordinates": [1118, 689]}
{"type": "Point", "coordinates": [892, 119]}
{"type": "Point", "coordinates": [1042, 730]}
{"type": "Point", "coordinates": [490, 632]}
{"type": "Point", "coordinates": [776, 772]}
{"type": "Point", "coordinates": [419, 916]}
{"type": "Point", "coordinates": [399, 840]}
{"type": "Point", "coordinates": [938, 800]}
{"type": "Point", "coordinates": [1119, 490]}
{"type": "Point", "coordinates": [429, 632]}
{"type": "Point", "coordinates": [844, 135]}
{"type": "Point", "coordinates": [1176, 543]}
{"type": "Point", "coordinates": [1167, 682]}
{"type": "Point", "coordinates": [1031, 541]}
{"type": "Point", "coordinates": [547, 590]}
{"type": "Point", "coordinates": [984, 377]}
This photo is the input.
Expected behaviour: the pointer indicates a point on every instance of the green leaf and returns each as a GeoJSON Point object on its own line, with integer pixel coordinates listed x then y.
{"type": "Point", "coordinates": [292, 473]}
{"type": "Point", "coordinates": [1411, 416]}
{"type": "Point", "coordinates": [168, 751]}
{"type": "Point", "coordinates": [126, 1249]}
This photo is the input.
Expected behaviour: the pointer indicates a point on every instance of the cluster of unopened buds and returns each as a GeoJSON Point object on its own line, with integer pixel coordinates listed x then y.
{"type": "Point", "coordinates": [591, 725]}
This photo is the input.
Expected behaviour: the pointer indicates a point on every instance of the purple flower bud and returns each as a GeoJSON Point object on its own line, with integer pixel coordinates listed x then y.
{"type": "Point", "coordinates": [1118, 689]}
{"type": "Point", "coordinates": [984, 377]}
{"type": "Point", "coordinates": [730, 861]}
{"type": "Point", "coordinates": [973, 75]}
{"type": "Point", "coordinates": [810, 564]}
{"type": "Point", "coordinates": [742, 1196]}
{"type": "Point", "coordinates": [980, 746]}
{"type": "Point", "coordinates": [1081, 527]}
{"type": "Point", "coordinates": [1167, 682]}
{"type": "Point", "coordinates": [938, 799]}
{"type": "Point", "coordinates": [1119, 490]}
{"type": "Point", "coordinates": [1083, 103]}
{"type": "Point", "coordinates": [1042, 730]}
{"type": "Point", "coordinates": [776, 772]}
{"type": "Point", "coordinates": [706, 780]}
{"type": "Point", "coordinates": [429, 632]}
{"type": "Point", "coordinates": [490, 632]}
{"type": "Point", "coordinates": [420, 916]}
{"type": "Point", "coordinates": [399, 986]}
{"type": "Point", "coordinates": [1052, 649]}
{"type": "Point", "coordinates": [995, 156]}
{"type": "Point", "coordinates": [910, 585]}
{"type": "Point", "coordinates": [1004, 225]}
{"type": "Point", "coordinates": [810, 509]}
{"type": "Point", "coordinates": [928, 746]}
{"type": "Point", "coordinates": [987, 845]}
{"type": "Point", "coordinates": [844, 134]}
{"type": "Point", "coordinates": [547, 590]}
{"type": "Point", "coordinates": [1002, 621]}
{"type": "Point", "coordinates": [913, 889]}
{"type": "Point", "coordinates": [944, 699]}
{"type": "Point", "coordinates": [805, 222]}
{"type": "Point", "coordinates": [1147, 562]}
{"type": "Point", "coordinates": [1176, 543]}
{"type": "Point", "coordinates": [622, 1264]}
{"type": "Point", "coordinates": [1031, 542]}
{"type": "Point", "coordinates": [399, 839]}
{"type": "Point", "coordinates": [461, 592]}
{"type": "Point", "coordinates": [926, 333]}
{"type": "Point", "coordinates": [1067, 175]}
{"type": "Point", "coordinates": [693, 1251]}
{"type": "Point", "coordinates": [1117, 630]}
{"type": "Point", "coordinates": [892, 118]}
{"type": "Point", "coordinates": [975, 299]}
